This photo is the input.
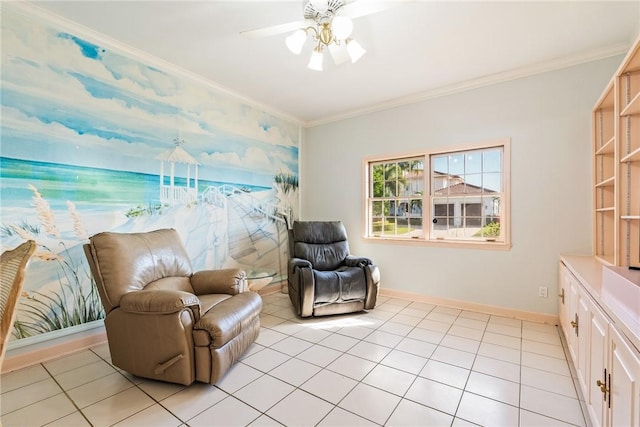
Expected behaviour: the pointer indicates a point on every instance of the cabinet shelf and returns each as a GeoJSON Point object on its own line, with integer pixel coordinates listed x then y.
{"type": "Point", "coordinates": [615, 156]}
{"type": "Point", "coordinates": [633, 108]}
{"type": "Point", "coordinates": [609, 182]}
{"type": "Point", "coordinates": [608, 147]}
{"type": "Point", "coordinates": [633, 156]}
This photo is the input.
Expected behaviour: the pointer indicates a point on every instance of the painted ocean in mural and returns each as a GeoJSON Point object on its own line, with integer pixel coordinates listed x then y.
{"type": "Point", "coordinates": [95, 139]}
{"type": "Point", "coordinates": [90, 186]}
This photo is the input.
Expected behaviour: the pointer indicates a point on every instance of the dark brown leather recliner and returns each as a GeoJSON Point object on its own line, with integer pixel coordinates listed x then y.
{"type": "Point", "coordinates": [323, 278]}
{"type": "Point", "coordinates": [164, 321]}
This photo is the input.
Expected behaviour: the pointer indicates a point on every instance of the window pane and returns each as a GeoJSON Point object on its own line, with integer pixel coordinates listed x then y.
{"type": "Point", "coordinates": [376, 226]}
{"type": "Point", "coordinates": [474, 183]}
{"type": "Point", "coordinates": [416, 208]}
{"type": "Point", "coordinates": [387, 208]}
{"type": "Point", "coordinates": [416, 227]}
{"type": "Point", "coordinates": [491, 205]}
{"type": "Point", "coordinates": [403, 227]}
{"type": "Point", "coordinates": [389, 226]}
{"type": "Point", "coordinates": [390, 189]}
{"type": "Point", "coordinates": [440, 164]}
{"type": "Point", "coordinates": [402, 207]}
{"type": "Point", "coordinates": [492, 181]}
{"type": "Point", "coordinates": [473, 162]}
{"type": "Point", "coordinates": [413, 179]}
{"type": "Point", "coordinates": [492, 160]}
{"type": "Point", "coordinates": [456, 164]}
{"type": "Point", "coordinates": [376, 208]}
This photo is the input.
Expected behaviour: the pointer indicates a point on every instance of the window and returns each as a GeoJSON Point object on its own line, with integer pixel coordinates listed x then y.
{"type": "Point", "coordinates": [397, 187]}
{"type": "Point", "coordinates": [466, 201]}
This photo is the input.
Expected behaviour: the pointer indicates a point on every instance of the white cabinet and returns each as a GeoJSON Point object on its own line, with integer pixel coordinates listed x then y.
{"type": "Point", "coordinates": [597, 402]}
{"type": "Point", "coordinates": [583, 308]}
{"type": "Point", "coordinates": [607, 365]}
{"type": "Point", "coordinates": [568, 310]}
{"type": "Point", "coordinates": [624, 382]}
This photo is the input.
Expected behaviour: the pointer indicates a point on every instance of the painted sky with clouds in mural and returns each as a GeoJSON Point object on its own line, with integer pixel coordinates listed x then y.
{"type": "Point", "coordinates": [73, 101]}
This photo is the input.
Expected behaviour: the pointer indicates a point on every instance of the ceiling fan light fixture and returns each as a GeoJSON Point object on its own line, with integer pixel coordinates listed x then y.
{"type": "Point", "coordinates": [355, 50]}
{"type": "Point", "coordinates": [342, 27]}
{"type": "Point", "coordinates": [295, 41]}
{"type": "Point", "coordinates": [315, 63]}
{"type": "Point", "coordinates": [320, 6]}
{"type": "Point", "coordinates": [328, 29]}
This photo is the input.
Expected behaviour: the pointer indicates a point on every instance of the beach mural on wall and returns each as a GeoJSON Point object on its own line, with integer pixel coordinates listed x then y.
{"type": "Point", "coordinates": [94, 139]}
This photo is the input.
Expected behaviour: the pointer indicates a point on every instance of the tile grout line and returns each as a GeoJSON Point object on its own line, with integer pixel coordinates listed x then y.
{"type": "Point", "coordinates": [380, 322]}
{"type": "Point", "coordinates": [66, 395]}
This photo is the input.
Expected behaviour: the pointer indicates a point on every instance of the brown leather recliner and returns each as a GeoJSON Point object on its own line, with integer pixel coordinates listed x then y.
{"type": "Point", "coordinates": [164, 321]}
{"type": "Point", "coordinates": [323, 277]}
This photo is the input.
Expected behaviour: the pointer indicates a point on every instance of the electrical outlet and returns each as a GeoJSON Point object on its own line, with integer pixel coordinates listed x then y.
{"type": "Point", "coordinates": [542, 291]}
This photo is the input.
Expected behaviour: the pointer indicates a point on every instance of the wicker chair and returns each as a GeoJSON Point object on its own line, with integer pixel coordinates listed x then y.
{"type": "Point", "coordinates": [13, 264]}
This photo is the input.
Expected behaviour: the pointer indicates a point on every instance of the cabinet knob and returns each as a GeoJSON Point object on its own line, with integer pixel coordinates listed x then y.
{"type": "Point", "coordinates": [603, 386]}
{"type": "Point", "coordinates": [574, 324]}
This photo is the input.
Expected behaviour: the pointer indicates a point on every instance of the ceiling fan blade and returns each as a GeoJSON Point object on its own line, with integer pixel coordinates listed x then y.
{"type": "Point", "coordinates": [274, 30]}
{"type": "Point", "coordinates": [360, 8]}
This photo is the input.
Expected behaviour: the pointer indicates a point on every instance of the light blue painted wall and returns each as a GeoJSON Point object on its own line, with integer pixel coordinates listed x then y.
{"type": "Point", "coordinates": [548, 118]}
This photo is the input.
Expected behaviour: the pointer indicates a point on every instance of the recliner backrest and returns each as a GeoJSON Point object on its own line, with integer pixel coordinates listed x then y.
{"type": "Point", "coordinates": [127, 262]}
{"type": "Point", "coordinates": [323, 243]}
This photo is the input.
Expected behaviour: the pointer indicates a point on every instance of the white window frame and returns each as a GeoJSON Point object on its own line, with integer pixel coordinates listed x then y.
{"type": "Point", "coordinates": [501, 242]}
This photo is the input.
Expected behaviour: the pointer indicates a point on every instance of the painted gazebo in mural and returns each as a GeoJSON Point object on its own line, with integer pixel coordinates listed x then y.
{"type": "Point", "coordinates": [172, 192]}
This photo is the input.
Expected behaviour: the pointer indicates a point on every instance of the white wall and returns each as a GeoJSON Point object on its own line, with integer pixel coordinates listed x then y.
{"type": "Point", "coordinates": [547, 117]}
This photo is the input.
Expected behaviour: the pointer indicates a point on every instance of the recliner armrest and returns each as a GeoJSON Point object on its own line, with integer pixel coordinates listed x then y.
{"type": "Point", "coordinates": [355, 261]}
{"type": "Point", "coordinates": [230, 281]}
{"type": "Point", "coordinates": [159, 302]}
{"type": "Point", "coordinates": [299, 263]}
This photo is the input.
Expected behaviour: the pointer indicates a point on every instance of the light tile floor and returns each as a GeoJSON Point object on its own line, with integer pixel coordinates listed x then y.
{"type": "Point", "coordinates": [402, 364]}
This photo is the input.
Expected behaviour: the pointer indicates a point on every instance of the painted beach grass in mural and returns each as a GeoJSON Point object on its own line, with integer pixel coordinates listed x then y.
{"type": "Point", "coordinates": [93, 139]}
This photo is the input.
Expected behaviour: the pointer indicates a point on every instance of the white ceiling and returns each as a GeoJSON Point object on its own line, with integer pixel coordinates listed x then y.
{"type": "Point", "coordinates": [415, 50]}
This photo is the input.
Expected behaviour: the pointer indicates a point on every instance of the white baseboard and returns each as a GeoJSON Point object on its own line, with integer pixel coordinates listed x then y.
{"type": "Point", "coordinates": [472, 306]}
{"type": "Point", "coordinates": [41, 348]}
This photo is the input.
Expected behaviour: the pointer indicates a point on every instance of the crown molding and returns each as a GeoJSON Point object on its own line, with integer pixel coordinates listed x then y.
{"type": "Point", "coordinates": [491, 79]}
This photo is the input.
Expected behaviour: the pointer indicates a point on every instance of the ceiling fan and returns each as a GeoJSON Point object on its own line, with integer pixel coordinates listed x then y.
{"type": "Point", "coordinates": [330, 24]}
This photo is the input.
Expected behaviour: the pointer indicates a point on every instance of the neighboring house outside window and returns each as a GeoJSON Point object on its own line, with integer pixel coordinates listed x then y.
{"type": "Point", "coordinates": [467, 202]}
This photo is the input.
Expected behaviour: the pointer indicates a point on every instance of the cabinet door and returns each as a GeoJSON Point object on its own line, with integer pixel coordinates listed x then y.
{"type": "Point", "coordinates": [583, 306]}
{"type": "Point", "coordinates": [563, 300]}
{"type": "Point", "coordinates": [573, 329]}
{"type": "Point", "coordinates": [624, 366]}
{"type": "Point", "coordinates": [597, 400]}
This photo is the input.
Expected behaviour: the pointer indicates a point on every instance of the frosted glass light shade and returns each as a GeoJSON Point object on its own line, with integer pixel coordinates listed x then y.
{"type": "Point", "coordinates": [342, 26]}
{"type": "Point", "coordinates": [339, 53]}
{"type": "Point", "coordinates": [315, 63]}
{"type": "Point", "coordinates": [355, 50]}
{"type": "Point", "coordinates": [295, 41]}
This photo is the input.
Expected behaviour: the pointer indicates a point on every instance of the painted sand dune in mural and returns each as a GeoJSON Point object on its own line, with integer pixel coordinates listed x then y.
{"type": "Point", "coordinates": [237, 233]}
